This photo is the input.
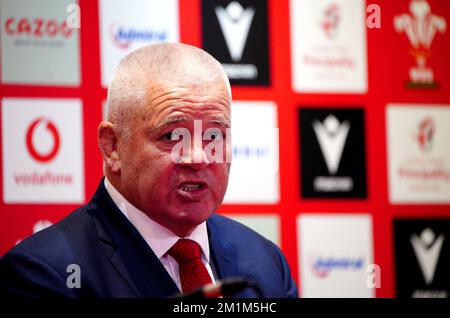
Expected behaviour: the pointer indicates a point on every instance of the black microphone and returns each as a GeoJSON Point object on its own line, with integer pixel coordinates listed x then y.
{"type": "Point", "coordinates": [225, 287]}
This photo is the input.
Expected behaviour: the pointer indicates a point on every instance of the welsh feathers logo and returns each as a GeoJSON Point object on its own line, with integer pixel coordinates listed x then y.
{"type": "Point", "coordinates": [421, 26]}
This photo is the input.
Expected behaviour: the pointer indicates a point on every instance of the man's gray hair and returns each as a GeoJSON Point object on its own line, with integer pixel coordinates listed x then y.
{"type": "Point", "coordinates": [162, 63]}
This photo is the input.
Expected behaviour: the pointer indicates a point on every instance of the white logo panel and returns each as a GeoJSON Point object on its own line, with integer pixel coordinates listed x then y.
{"type": "Point", "coordinates": [128, 25]}
{"type": "Point", "coordinates": [335, 252]}
{"type": "Point", "coordinates": [329, 46]}
{"type": "Point", "coordinates": [37, 46]}
{"type": "Point", "coordinates": [254, 176]}
{"type": "Point", "coordinates": [266, 225]}
{"type": "Point", "coordinates": [418, 153]}
{"type": "Point", "coordinates": [43, 158]}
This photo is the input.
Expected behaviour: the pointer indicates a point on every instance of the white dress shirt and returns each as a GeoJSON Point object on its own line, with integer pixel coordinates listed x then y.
{"type": "Point", "coordinates": [159, 238]}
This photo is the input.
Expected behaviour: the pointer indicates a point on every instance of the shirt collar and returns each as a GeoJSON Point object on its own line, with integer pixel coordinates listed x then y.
{"type": "Point", "coordinates": [159, 238]}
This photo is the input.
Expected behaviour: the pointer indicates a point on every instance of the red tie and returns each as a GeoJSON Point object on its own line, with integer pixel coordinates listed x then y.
{"type": "Point", "coordinates": [193, 273]}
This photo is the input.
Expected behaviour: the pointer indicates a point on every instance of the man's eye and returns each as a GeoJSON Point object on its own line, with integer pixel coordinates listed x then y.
{"type": "Point", "coordinates": [171, 136]}
{"type": "Point", "coordinates": [214, 134]}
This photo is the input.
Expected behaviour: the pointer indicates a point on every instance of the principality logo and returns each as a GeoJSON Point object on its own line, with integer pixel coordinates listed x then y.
{"type": "Point", "coordinates": [420, 27]}
{"type": "Point", "coordinates": [424, 133]}
{"type": "Point", "coordinates": [330, 21]}
{"type": "Point", "coordinates": [38, 155]}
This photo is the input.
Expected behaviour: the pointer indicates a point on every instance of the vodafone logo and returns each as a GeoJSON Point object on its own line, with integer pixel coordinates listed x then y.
{"type": "Point", "coordinates": [43, 153]}
{"type": "Point", "coordinates": [50, 127]}
{"type": "Point", "coordinates": [37, 27]}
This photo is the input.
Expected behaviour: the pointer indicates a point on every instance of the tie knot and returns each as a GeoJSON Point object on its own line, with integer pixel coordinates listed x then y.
{"type": "Point", "coordinates": [185, 250]}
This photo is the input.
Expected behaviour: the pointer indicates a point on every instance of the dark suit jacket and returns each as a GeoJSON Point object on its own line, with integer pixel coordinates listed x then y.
{"type": "Point", "coordinates": [115, 261]}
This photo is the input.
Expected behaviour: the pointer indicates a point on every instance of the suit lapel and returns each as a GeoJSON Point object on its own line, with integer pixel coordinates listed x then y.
{"type": "Point", "coordinates": [132, 257]}
{"type": "Point", "coordinates": [117, 263]}
{"type": "Point", "coordinates": [222, 253]}
{"type": "Point", "coordinates": [136, 263]}
{"type": "Point", "coordinates": [140, 267]}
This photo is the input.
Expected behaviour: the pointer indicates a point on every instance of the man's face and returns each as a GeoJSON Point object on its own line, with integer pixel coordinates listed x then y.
{"type": "Point", "coordinates": [177, 195]}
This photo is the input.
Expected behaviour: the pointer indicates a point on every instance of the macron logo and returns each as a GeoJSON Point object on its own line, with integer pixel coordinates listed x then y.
{"type": "Point", "coordinates": [332, 137]}
{"type": "Point", "coordinates": [427, 249]}
{"type": "Point", "coordinates": [235, 23]}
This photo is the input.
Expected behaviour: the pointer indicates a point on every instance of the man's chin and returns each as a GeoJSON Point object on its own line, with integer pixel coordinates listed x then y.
{"type": "Point", "coordinates": [185, 228]}
{"type": "Point", "coordinates": [192, 216]}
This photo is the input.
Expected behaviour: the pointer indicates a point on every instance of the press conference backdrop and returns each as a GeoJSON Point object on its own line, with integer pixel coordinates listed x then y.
{"type": "Point", "coordinates": [341, 125]}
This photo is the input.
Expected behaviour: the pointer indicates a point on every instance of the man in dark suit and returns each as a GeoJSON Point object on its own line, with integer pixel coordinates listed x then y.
{"type": "Point", "coordinates": [150, 228]}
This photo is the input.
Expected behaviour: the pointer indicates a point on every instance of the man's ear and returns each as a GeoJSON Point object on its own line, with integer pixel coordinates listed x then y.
{"type": "Point", "coordinates": [108, 144]}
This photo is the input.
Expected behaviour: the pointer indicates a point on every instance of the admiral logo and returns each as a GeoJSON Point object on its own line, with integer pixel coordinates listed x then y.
{"type": "Point", "coordinates": [128, 25]}
{"type": "Point", "coordinates": [419, 157]}
{"type": "Point", "coordinates": [123, 36]}
{"type": "Point", "coordinates": [422, 255]}
{"type": "Point", "coordinates": [335, 254]}
{"type": "Point", "coordinates": [420, 26]}
{"type": "Point", "coordinates": [251, 151]}
{"type": "Point", "coordinates": [230, 33]}
{"type": "Point", "coordinates": [322, 266]}
{"type": "Point", "coordinates": [329, 147]}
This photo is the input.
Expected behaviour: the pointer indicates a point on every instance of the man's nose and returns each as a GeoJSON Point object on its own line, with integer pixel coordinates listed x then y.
{"type": "Point", "coordinates": [196, 159]}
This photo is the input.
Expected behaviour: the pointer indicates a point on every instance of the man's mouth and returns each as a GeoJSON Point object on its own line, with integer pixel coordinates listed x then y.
{"type": "Point", "coordinates": [192, 191]}
{"type": "Point", "coordinates": [192, 187]}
